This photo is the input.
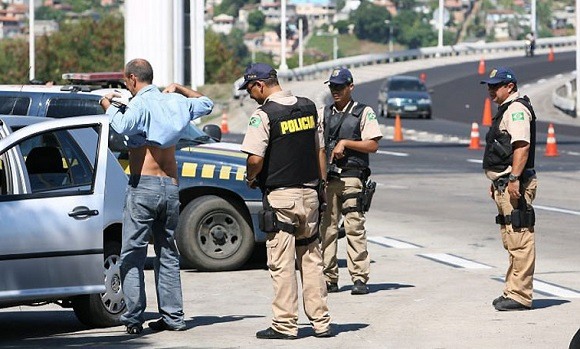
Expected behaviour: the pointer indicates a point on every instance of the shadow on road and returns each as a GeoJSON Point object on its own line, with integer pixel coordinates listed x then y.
{"type": "Point", "coordinates": [546, 303]}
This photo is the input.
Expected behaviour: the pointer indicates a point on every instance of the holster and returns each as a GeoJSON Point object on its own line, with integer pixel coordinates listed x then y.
{"type": "Point", "coordinates": [268, 221]}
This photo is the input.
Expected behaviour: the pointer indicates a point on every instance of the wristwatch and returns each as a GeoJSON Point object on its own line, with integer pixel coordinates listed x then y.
{"type": "Point", "coordinates": [248, 180]}
{"type": "Point", "coordinates": [513, 178]}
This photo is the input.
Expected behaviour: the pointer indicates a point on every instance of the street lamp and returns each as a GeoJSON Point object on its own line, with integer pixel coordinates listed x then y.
{"type": "Point", "coordinates": [389, 23]}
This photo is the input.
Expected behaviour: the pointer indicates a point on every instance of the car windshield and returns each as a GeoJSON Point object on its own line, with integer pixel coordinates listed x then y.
{"type": "Point", "coordinates": [406, 85]}
{"type": "Point", "coordinates": [193, 134]}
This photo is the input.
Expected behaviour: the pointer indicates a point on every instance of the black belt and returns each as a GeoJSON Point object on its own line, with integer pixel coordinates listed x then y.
{"type": "Point", "coordinates": [307, 241]}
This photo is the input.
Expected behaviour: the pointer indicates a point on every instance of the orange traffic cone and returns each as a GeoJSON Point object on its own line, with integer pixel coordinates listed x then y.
{"type": "Point", "coordinates": [423, 77]}
{"type": "Point", "coordinates": [474, 137]}
{"type": "Point", "coordinates": [398, 136]}
{"type": "Point", "coordinates": [486, 119]}
{"type": "Point", "coordinates": [481, 68]}
{"type": "Point", "coordinates": [224, 126]}
{"type": "Point", "coordinates": [551, 146]}
{"type": "Point", "coordinates": [551, 55]}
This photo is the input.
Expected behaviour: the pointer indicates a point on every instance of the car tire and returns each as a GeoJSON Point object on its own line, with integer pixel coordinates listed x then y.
{"type": "Point", "coordinates": [213, 235]}
{"type": "Point", "coordinates": [104, 309]}
{"type": "Point", "coordinates": [428, 116]}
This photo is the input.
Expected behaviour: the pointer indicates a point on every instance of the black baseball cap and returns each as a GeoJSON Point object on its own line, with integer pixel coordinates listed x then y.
{"type": "Point", "coordinates": [257, 71]}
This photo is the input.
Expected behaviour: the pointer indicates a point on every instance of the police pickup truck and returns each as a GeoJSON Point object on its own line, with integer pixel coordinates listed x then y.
{"type": "Point", "coordinates": [218, 223]}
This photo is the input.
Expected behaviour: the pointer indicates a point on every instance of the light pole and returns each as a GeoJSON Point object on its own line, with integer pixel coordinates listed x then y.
{"type": "Point", "coordinates": [283, 65]}
{"type": "Point", "coordinates": [389, 23]}
{"type": "Point", "coordinates": [31, 46]}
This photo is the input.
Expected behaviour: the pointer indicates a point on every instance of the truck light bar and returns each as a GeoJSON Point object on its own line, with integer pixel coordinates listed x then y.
{"type": "Point", "coordinates": [93, 77]}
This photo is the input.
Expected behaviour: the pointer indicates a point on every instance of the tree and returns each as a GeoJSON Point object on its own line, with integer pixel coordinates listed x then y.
{"type": "Point", "coordinates": [78, 47]}
{"type": "Point", "coordinates": [369, 20]}
{"type": "Point", "coordinates": [232, 7]}
{"type": "Point", "coordinates": [221, 64]}
{"type": "Point", "coordinates": [256, 20]}
{"type": "Point", "coordinates": [413, 30]}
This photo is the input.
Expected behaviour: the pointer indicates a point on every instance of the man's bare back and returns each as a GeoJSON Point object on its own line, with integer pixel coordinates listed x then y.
{"type": "Point", "coordinates": [153, 161]}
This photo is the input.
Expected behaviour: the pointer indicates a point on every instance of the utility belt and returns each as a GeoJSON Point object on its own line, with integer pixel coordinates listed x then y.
{"type": "Point", "coordinates": [523, 216]}
{"type": "Point", "coordinates": [269, 223]}
{"type": "Point", "coordinates": [364, 198]}
{"type": "Point", "coordinates": [502, 182]}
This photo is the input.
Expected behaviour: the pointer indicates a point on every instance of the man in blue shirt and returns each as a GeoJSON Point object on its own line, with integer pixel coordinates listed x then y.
{"type": "Point", "coordinates": [153, 122]}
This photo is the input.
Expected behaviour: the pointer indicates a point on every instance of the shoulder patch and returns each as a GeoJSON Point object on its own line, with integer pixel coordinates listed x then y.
{"type": "Point", "coordinates": [255, 121]}
{"type": "Point", "coordinates": [371, 116]}
{"type": "Point", "coordinates": [518, 116]}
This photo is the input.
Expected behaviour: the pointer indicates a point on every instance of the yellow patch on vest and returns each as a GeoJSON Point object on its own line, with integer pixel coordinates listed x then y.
{"type": "Point", "coordinates": [299, 124]}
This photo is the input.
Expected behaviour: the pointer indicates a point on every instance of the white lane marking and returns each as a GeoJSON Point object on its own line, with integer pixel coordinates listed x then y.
{"type": "Point", "coordinates": [575, 153]}
{"type": "Point", "coordinates": [555, 209]}
{"type": "Point", "coordinates": [388, 242]}
{"type": "Point", "coordinates": [554, 290]}
{"type": "Point", "coordinates": [476, 161]}
{"type": "Point", "coordinates": [454, 261]}
{"type": "Point", "coordinates": [384, 152]}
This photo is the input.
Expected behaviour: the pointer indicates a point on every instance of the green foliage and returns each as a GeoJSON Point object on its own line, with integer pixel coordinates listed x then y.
{"type": "Point", "coordinates": [221, 64]}
{"type": "Point", "coordinates": [86, 46]}
{"type": "Point", "coordinates": [48, 13]}
{"type": "Point", "coordinates": [342, 26]}
{"type": "Point", "coordinates": [256, 20]}
{"type": "Point", "coordinates": [79, 6]}
{"type": "Point", "coordinates": [413, 30]}
{"type": "Point", "coordinates": [369, 20]}
{"type": "Point", "coordinates": [232, 7]}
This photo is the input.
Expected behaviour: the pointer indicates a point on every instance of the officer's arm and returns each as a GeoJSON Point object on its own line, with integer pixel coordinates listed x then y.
{"type": "Point", "coordinates": [521, 151]}
{"type": "Point", "coordinates": [322, 163]}
{"type": "Point", "coordinates": [254, 166]}
{"type": "Point", "coordinates": [364, 146]}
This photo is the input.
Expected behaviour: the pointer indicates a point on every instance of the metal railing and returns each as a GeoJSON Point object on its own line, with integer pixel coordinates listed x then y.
{"type": "Point", "coordinates": [463, 49]}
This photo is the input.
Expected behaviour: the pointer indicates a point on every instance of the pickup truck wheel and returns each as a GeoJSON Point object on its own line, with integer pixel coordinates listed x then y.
{"type": "Point", "coordinates": [212, 235]}
{"type": "Point", "coordinates": [105, 309]}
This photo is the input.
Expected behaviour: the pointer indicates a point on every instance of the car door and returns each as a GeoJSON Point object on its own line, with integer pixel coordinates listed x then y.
{"type": "Point", "coordinates": [51, 209]}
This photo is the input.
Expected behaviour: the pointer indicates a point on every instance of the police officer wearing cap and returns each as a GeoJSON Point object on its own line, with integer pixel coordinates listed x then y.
{"type": "Point", "coordinates": [351, 132]}
{"type": "Point", "coordinates": [286, 161]}
{"type": "Point", "coordinates": [508, 162]}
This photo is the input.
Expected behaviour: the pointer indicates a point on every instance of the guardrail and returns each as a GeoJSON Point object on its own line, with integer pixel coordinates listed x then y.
{"type": "Point", "coordinates": [314, 70]}
{"type": "Point", "coordinates": [564, 99]}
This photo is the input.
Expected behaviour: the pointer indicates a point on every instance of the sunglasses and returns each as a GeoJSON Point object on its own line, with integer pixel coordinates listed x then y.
{"type": "Point", "coordinates": [337, 87]}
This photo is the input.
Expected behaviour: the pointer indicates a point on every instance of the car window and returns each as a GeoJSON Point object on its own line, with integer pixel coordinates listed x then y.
{"type": "Point", "coordinates": [406, 85]}
{"type": "Point", "coordinates": [14, 105]}
{"type": "Point", "coordinates": [55, 161]}
{"type": "Point", "coordinates": [67, 107]}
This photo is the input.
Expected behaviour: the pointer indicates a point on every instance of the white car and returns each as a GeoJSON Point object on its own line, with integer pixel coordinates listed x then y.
{"type": "Point", "coordinates": [61, 225]}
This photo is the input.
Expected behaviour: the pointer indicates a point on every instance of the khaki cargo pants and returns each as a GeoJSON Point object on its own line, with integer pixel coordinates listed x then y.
{"type": "Point", "coordinates": [300, 207]}
{"type": "Point", "coordinates": [521, 246]}
{"type": "Point", "coordinates": [358, 261]}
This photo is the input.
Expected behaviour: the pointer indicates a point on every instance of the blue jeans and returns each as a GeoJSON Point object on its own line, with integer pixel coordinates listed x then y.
{"type": "Point", "coordinates": [151, 210]}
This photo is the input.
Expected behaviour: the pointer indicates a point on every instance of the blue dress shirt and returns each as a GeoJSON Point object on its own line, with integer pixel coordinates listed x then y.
{"type": "Point", "coordinates": [156, 118]}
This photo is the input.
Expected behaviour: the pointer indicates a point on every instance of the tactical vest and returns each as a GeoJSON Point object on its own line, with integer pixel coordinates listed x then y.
{"type": "Point", "coordinates": [348, 129]}
{"type": "Point", "coordinates": [499, 153]}
{"type": "Point", "coordinates": [291, 158]}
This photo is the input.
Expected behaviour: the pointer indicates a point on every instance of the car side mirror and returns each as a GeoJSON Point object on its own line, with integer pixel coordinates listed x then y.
{"type": "Point", "coordinates": [214, 131]}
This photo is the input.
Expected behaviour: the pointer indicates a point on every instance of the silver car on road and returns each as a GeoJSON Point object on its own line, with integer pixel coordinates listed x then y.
{"type": "Point", "coordinates": [61, 225]}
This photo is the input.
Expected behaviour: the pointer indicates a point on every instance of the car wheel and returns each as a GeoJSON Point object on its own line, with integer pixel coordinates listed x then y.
{"type": "Point", "coordinates": [105, 309]}
{"type": "Point", "coordinates": [428, 116]}
{"type": "Point", "coordinates": [212, 235]}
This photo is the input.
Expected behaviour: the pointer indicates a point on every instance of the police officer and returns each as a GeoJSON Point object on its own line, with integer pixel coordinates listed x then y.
{"type": "Point", "coordinates": [508, 162]}
{"type": "Point", "coordinates": [286, 160]}
{"type": "Point", "coordinates": [351, 132]}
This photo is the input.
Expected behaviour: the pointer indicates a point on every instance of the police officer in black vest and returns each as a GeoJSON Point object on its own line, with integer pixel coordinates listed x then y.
{"type": "Point", "coordinates": [351, 132]}
{"type": "Point", "coordinates": [508, 162]}
{"type": "Point", "coordinates": [286, 160]}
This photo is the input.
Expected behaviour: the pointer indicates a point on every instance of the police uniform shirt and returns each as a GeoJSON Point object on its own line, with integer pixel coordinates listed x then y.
{"type": "Point", "coordinates": [258, 132]}
{"type": "Point", "coordinates": [516, 121]}
{"type": "Point", "coordinates": [369, 125]}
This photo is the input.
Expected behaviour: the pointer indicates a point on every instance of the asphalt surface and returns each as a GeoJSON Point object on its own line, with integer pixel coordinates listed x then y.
{"type": "Point", "coordinates": [437, 256]}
